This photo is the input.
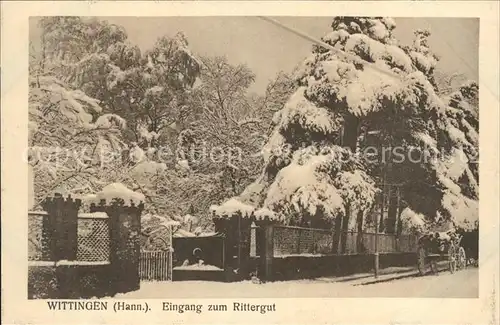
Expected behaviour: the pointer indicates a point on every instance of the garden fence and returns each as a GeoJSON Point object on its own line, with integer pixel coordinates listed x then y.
{"type": "Point", "coordinates": [290, 240]}
{"type": "Point", "coordinates": [155, 266]}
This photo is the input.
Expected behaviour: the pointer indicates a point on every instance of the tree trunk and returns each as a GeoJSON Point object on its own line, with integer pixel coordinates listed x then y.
{"type": "Point", "coordinates": [392, 215]}
{"type": "Point", "coordinates": [336, 235]}
{"type": "Point", "coordinates": [350, 134]}
{"type": "Point", "coordinates": [399, 228]}
{"type": "Point", "coordinates": [345, 227]}
{"type": "Point", "coordinates": [359, 236]}
{"type": "Point", "coordinates": [399, 224]}
{"type": "Point", "coordinates": [381, 221]}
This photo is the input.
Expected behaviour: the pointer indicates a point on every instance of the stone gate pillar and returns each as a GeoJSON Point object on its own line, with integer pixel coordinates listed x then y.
{"type": "Point", "coordinates": [236, 230]}
{"type": "Point", "coordinates": [244, 236]}
{"type": "Point", "coordinates": [266, 248]}
{"type": "Point", "coordinates": [61, 230]}
{"type": "Point", "coordinates": [60, 226]}
{"type": "Point", "coordinates": [125, 229]}
{"type": "Point", "coordinates": [221, 225]}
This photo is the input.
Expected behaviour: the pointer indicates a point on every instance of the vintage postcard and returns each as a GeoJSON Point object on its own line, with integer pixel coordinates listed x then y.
{"type": "Point", "coordinates": [250, 162]}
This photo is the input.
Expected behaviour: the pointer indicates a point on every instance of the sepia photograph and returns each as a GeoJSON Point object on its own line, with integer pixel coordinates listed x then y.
{"type": "Point", "coordinates": [259, 157]}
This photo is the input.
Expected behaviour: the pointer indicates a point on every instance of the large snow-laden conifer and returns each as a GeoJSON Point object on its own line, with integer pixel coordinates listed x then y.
{"type": "Point", "coordinates": [340, 102]}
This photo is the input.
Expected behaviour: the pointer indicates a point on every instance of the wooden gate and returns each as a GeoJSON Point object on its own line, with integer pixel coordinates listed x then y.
{"type": "Point", "coordinates": [155, 266]}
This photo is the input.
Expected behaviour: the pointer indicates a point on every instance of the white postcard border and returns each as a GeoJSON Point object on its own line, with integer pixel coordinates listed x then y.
{"type": "Point", "coordinates": [16, 309]}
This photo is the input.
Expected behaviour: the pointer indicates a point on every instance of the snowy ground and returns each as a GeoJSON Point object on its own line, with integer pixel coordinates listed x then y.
{"type": "Point", "coordinates": [462, 284]}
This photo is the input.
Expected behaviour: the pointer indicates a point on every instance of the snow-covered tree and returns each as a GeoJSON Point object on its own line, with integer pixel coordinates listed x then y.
{"type": "Point", "coordinates": [149, 90]}
{"type": "Point", "coordinates": [153, 93]}
{"type": "Point", "coordinates": [69, 136]}
{"type": "Point", "coordinates": [225, 119]}
{"type": "Point", "coordinates": [346, 105]}
{"type": "Point", "coordinates": [228, 127]}
{"type": "Point", "coordinates": [460, 199]}
{"type": "Point", "coordinates": [277, 92]}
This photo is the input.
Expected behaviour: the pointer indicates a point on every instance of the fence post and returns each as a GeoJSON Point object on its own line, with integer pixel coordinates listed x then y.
{"type": "Point", "coordinates": [244, 244]}
{"type": "Point", "coordinates": [299, 236]}
{"type": "Point", "coordinates": [170, 274]}
{"type": "Point", "coordinates": [268, 251]}
{"type": "Point", "coordinates": [333, 242]}
{"type": "Point", "coordinates": [253, 239]}
{"type": "Point", "coordinates": [313, 243]}
{"type": "Point", "coordinates": [376, 254]}
{"type": "Point", "coordinates": [222, 226]}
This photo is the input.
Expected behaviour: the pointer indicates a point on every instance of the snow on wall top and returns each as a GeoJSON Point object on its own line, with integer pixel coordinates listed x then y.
{"type": "Point", "coordinates": [232, 207]}
{"type": "Point", "coordinates": [262, 213]}
{"type": "Point", "coordinates": [116, 191]}
{"type": "Point", "coordinates": [94, 215]}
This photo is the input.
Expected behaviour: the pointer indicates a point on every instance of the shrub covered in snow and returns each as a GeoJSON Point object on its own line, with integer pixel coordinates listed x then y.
{"type": "Point", "coordinates": [414, 222]}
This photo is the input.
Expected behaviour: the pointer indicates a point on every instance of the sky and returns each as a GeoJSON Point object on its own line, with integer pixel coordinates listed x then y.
{"type": "Point", "coordinates": [268, 49]}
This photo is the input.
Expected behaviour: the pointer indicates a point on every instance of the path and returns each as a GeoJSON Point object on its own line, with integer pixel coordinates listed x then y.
{"type": "Point", "coordinates": [462, 284]}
